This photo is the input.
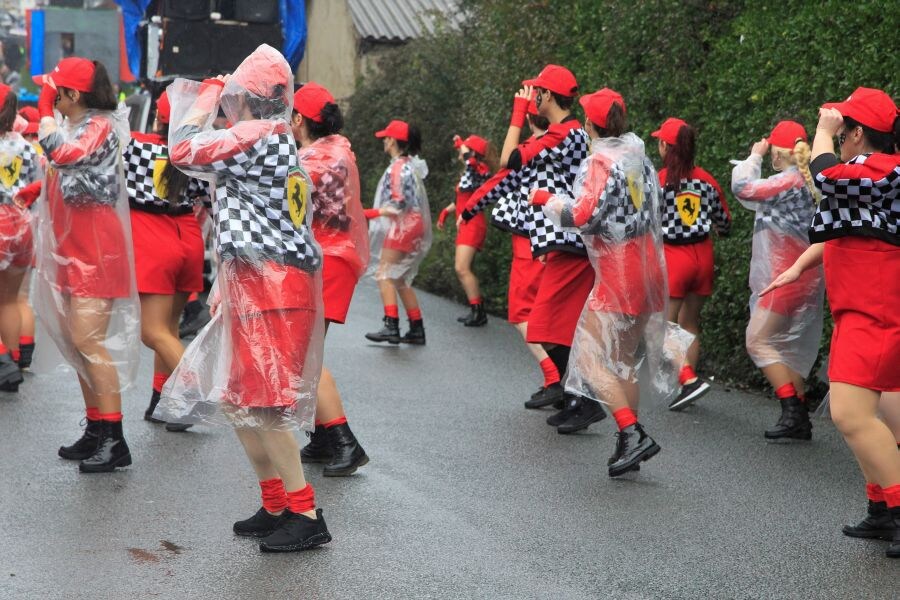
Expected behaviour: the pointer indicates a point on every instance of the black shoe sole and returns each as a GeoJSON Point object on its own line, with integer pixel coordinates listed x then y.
{"type": "Point", "coordinates": [307, 544]}
{"type": "Point", "coordinates": [254, 534]}
{"type": "Point", "coordinates": [868, 534]}
{"type": "Point", "coordinates": [476, 324]}
{"type": "Point", "coordinates": [685, 402]}
{"type": "Point", "coordinates": [346, 472]}
{"type": "Point", "coordinates": [177, 427]}
{"type": "Point", "coordinates": [122, 461]}
{"type": "Point", "coordinates": [805, 437]}
{"type": "Point", "coordinates": [893, 551]}
{"type": "Point", "coordinates": [151, 419]}
{"type": "Point", "coordinates": [636, 461]}
{"type": "Point", "coordinates": [72, 456]}
{"type": "Point", "coordinates": [413, 342]}
{"type": "Point", "coordinates": [569, 430]}
{"type": "Point", "coordinates": [312, 460]}
{"type": "Point", "coordinates": [390, 340]}
{"type": "Point", "coordinates": [12, 385]}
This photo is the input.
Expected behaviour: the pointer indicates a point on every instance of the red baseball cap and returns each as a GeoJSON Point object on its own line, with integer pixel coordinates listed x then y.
{"type": "Point", "coordinates": [556, 79]}
{"type": "Point", "coordinates": [870, 107]}
{"type": "Point", "coordinates": [668, 131]}
{"type": "Point", "coordinates": [163, 108]}
{"type": "Point", "coordinates": [476, 143]}
{"type": "Point", "coordinates": [30, 114]}
{"type": "Point", "coordinates": [399, 130]}
{"type": "Point", "coordinates": [596, 106]}
{"type": "Point", "coordinates": [74, 73]}
{"type": "Point", "coordinates": [310, 99]}
{"type": "Point", "coordinates": [786, 133]}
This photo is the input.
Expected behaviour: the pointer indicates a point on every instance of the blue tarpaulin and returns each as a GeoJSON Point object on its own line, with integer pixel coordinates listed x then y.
{"type": "Point", "coordinates": [37, 42]}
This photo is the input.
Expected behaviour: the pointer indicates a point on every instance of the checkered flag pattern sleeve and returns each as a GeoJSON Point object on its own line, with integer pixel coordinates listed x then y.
{"type": "Point", "coordinates": [781, 202]}
{"type": "Point", "coordinates": [88, 161]}
{"type": "Point", "coordinates": [471, 179]}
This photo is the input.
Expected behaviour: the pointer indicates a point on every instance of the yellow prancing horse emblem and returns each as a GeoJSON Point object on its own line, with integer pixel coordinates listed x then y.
{"type": "Point", "coordinates": [159, 186]}
{"type": "Point", "coordinates": [10, 167]}
{"type": "Point", "coordinates": [636, 190]}
{"type": "Point", "coordinates": [297, 197]}
{"type": "Point", "coordinates": [688, 204]}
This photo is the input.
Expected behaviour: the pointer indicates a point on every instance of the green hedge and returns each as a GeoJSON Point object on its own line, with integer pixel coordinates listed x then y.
{"type": "Point", "coordinates": [732, 69]}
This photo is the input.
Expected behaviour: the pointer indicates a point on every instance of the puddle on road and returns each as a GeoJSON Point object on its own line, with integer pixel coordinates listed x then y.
{"type": "Point", "coordinates": [171, 547]}
{"type": "Point", "coordinates": [144, 557]}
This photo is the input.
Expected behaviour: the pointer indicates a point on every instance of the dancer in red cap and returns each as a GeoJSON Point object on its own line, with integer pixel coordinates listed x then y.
{"type": "Point", "coordinates": [339, 226]}
{"type": "Point", "coordinates": [86, 296]}
{"type": "Point", "coordinates": [525, 271]}
{"type": "Point", "coordinates": [20, 166]}
{"type": "Point", "coordinates": [475, 153]}
{"type": "Point", "coordinates": [168, 245]}
{"type": "Point", "coordinates": [785, 327]}
{"type": "Point", "coordinates": [257, 364]}
{"type": "Point", "coordinates": [554, 160]}
{"type": "Point", "coordinates": [693, 206]}
{"type": "Point", "coordinates": [615, 205]}
{"type": "Point", "coordinates": [400, 232]}
{"type": "Point", "coordinates": [856, 234]}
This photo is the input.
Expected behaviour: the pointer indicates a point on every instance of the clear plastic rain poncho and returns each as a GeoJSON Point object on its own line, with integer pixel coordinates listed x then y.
{"type": "Point", "coordinates": [786, 324]}
{"type": "Point", "coordinates": [86, 297]}
{"type": "Point", "coordinates": [339, 224]}
{"type": "Point", "coordinates": [257, 363]}
{"type": "Point", "coordinates": [623, 329]}
{"type": "Point", "coordinates": [406, 233]}
{"type": "Point", "coordinates": [20, 166]}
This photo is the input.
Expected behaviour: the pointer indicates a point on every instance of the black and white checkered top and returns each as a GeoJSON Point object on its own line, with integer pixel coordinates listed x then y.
{"type": "Point", "coordinates": [261, 206]}
{"type": "Point", "coordinates": [860, 197]}
{"type": "Point", "coordinates": [20, 165]}
{"type": "Point", "coordinates": [782, 202]}
{"type": "Point", "coordinates": [87, 156]}
{"type": "Point", "coordinates": [474, 176]}
{"type": "Point", "coordinates": [690, 211]}
{"type": "Point", "coordinates": [145, 157]}
{"type": "Point", "coordinates": [512, 205]}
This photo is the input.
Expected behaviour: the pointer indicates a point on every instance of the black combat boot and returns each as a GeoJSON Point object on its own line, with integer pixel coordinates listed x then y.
{"type": "Point", "coordinates": [296, 532]}
{"type": "Point", "coordinates": [86, 444]}
{"type": "Point", "coordinates": [389, 333]}
{"type": "Point", "coordinates": [877, 525]}
{"type": "Point", "coordinates": [148, 414]}
{"type": "Point", "coordinates": [587, 412]}
{"type": "Point", "coordinates": [10, 374]}
{"type": "Point", "coordinates": [477, 318]}
{"type": "Point", "coordinates": [893, 550]}
{"type": "Point", "coordinates": [112, 451]}
{"type": "Point", "coordinates": [318, 450]}
{"type": "Point", "coordinates": [633, 446]}
{"type": "Point", "coordinates": [794, 422]}
{"type": "Point", "coordinates": [26, 354]}
{"type": "Point", "coordinates": [347, 454]}
{"type": "Point", "coordinates": [416, 333]}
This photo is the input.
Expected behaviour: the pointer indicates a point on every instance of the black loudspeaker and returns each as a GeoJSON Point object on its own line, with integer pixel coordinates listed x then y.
{"type": "Point", "coordinates": [257, 11]}
{"type": "Point", "coordinates": [201, 49]}
{"type": "Point", "coordinates": [67, 3]}
{"type": "Point", "coordinates": [195, 10]}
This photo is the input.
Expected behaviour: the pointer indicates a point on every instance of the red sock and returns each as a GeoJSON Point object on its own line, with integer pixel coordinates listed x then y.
{"type": "Point", "coordinates": [786, 391]}
{"type": "Point", "coordinates": [333, 422]}
{"type": "Point", "coordinates": [16, 354]}
{"type": "Point", "coordinates": [892, 495]}
{"type": "Point", "coordinates": [392, 311]}
{"type": "Point", "coordinates": [159, 380]}
{"type": "Point", "coordinates": [26, 339]}
{"type": "Point", "coordinates": [687, 374]}
{"type": "Point", "coordinates": [874, 492]}
{"type": "Point", "coordinates": [193, 297]}
{"type": "Point", "coordinates": [414, 314]}
{"type": "Point", "coordinates": [274, 498]}
{"type": "Point", "coordinates": [318, 422]}
{"type": "Point", "coordinates": [551, 374]}
{"type": "Point", "coordinates": [3, 348]}
{"type": "Point", "coordinates": [93, 413]}
{"type": "Point", "coordinates": [302, 500]}
{"type": "Point", "coordinates": [115, 417]}
{"type": "Point", "coordinates": [624, 417]}
{"type": "Point", "coordinates": [475, 301]}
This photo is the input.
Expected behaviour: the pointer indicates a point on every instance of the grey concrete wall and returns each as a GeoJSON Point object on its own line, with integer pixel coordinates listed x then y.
{"type": "Point", "coordinates": [95, 33]}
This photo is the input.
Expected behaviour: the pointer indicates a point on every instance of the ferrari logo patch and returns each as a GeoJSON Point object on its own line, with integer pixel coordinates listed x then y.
{"type": "Point", "coordinates": [160, 186]}
{"type": "Point", "coordinates": [688, 204]}
{"type": "Point", "coordinates": [297, 197]}
{"type": "Point", "coordinates": [10, 167]}
{"type": "Point", "coordinates": [636, 191]}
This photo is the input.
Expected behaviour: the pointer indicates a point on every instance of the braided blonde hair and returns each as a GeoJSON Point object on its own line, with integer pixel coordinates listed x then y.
{"type": "Point", "coordinates": [800, 157]}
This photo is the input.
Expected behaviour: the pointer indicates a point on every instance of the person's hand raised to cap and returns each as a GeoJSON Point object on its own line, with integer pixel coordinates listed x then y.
{"type": "Point", "coordinates": [830, 121]}
{"type": "Point", "coordinates": [526, 91]}
{"type": "Point", "coordinates": [760, 148]}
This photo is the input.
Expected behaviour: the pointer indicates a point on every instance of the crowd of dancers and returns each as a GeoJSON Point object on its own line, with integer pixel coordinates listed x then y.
{"type": "Point", "coordinates": [611, 265]}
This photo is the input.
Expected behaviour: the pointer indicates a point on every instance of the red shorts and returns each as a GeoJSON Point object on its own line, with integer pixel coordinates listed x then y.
{"type": "Point", "coordinates": [690, 268]}
{"type": "Point", "coordinates": [563, 291]}
{"type": "Point", "coordinates": [862, 279]}
{"type": "Point", "coordinates": [94, 255]}
{"type": "Point", "coordinates": [338, 282]}
{"type": "Point", "coordinates": [524, 279]}
{"type": "Point", "coordinates": [472, 233]}
{"type": "Point", "coordinates": [16, 241]}
{"type": "Point", "coordinates": [630, 279]}
{"type": "Point", "coordinates": [406, 233]}
{"type": "Point", "coordinates": [272, 318]}
{"type": "Point", "coordinates": [788, 299]}
{"type": "Point", "coordinates": [168, 253]}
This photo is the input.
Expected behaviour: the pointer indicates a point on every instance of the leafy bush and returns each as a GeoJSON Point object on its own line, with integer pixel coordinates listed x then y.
{"type": "Point", "coordinates": [732, 69]}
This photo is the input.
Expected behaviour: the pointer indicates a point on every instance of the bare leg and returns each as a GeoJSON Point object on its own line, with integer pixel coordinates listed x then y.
{"type": "Point", "coordinates": [536, 349]}
{"type": "Point", "coordinates": [88, 324]}
{"type": "Point", "coordinates": [465, 256]}
{"type": "Point", "coordinates": [889, 407]}
{"type": "Point", "coordinates": [765, 325]}
{"type": "Point", "coordinates": [854, 412]}
{"type": "Point", "coordinates": [10, 318]}
{"type": "Point", "coordinates": [328, 403]}
{"type": "Point", "coordinates": [156, 329]}
{"type": "Point", "coordinates": [689, 320]}
{"type": "Point", "coordinates": [25, 312]}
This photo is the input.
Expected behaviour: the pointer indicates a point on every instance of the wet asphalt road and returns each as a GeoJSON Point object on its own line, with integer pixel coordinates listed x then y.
{"type": "Point", "coordinates": [467, 495]}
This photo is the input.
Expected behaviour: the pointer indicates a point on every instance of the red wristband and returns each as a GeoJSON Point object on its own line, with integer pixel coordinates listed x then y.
{"type": "Point", "coordinates": [541, 197]}
{"type": "Point", "coordinates": [213, 81]}
{"type": "Point", "coordinates": [30, 193]}
{"type": "Point", "coordinates": [46, 100]}
{"type": "Point", "coordinates": [443, 216]}
{"type": "Point", "coordinates": [372, 213]}
{"type": "Point", "coordinates": [520, 109]}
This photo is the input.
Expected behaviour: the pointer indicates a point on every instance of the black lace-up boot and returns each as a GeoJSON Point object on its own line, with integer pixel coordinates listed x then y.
{"type": "Point", "coordinates": [111, 452]}
{"type": "Point", "coordinates": [877, 525]}
{"type": "Point", "coordinates": [85, 446]}
{"type": "Point", "coordinates": [794, 422]}
{"type": "Point", "coordinates": [318, 450]}
{"type": "Point", "coordinates": [416, 333]}
{"type": "Point", "coordinates": [389, 333]}
{"type": "Point", "coordinates": [633, 446]}
{"type": "Point", "coordinates": [477, 318]}
{"type": "Point", "coordinates": [347, 454]}
{"type": "Point", "coordinates": [10, 374]}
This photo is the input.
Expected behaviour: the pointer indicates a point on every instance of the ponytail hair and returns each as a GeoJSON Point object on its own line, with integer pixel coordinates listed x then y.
{"type": "Point", "coordinates": [102, 96]}
{"type": "Point", "coordinates": [615, 122]}
{"type": "Point", "coordinates": [8, 112]}
{"type": "Point", "coordinates": [332, 122]}
{"type": "Point", "coordinates": [897, 135]}
{"type": "Point", "coordinates": [679, 161]}
{"type": "Point", "coordinates": [413, 145]}
{"type": "Point", "coordinates": [492, 158]}
{"type": "Point", "coordinates": [539, 122]}
{"type": "Point", "coordinates": [800, 156]}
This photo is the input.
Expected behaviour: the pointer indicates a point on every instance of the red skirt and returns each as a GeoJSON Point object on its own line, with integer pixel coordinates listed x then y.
{"type": "Point", "coordinates": [788, 299]}
{"type": "Point", "coordinates": [406, 233]}
{"type": "Point", "coordinates": [524, 280]}
{"type": "Point", "coordinates": [862, 279]}
{"type": "Point", "coordinates": [16, 240]}
{"type": "Point", "coordinates": [563, 291]}
{"type": "Point", "coordinates": [168, 253]}
{"type": "Point", "coordinates": [690, 268]}
{"type": "Point", "coordinates": [338, 282]}
{"type": "Point", "coordinates": [472, 233]}
{"type": "Point", "coordinates": [630, 278]}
